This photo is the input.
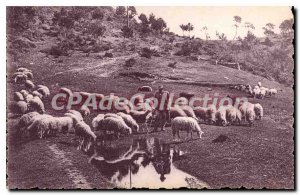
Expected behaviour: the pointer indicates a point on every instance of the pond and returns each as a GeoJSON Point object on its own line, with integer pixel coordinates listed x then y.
{"type": "Point", "coordinates": [143, 163]}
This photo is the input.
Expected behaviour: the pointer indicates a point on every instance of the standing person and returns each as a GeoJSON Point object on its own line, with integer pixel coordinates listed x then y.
{"type": "Point", "coordinates": [162, 108]}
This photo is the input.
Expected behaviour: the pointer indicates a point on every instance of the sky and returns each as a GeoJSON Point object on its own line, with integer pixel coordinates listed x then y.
{"type": "Point", "coordinates": [219, 18]}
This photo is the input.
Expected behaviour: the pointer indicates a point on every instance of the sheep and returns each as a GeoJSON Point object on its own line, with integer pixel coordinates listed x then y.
{"type": "Point", "coordinates": [233, 115]}
{"type": "Point", "coordinates": [258, 109]}
{"type": "Point", "coordinates": [87, 136]}
{"type": "Point", "coordinates": [18, 96]}
{"type": "Point", "coordinates": [25, 120]}
{"type": "Point", "coordinates": [20, 107]}
{"type": "Point", "coordinates": [145, 89]}
{"type": "Point", "coordinates": [263, 92]}
{"type": "Point", "coordinates": [187, 124]}
{"type": "Point", "coordinates": [44, 90]}
{"type": "Point", "coordinates": [20, 78]}
{"type": "Point", "coordinates": [221, 115]}
{"type": "Point", "coordinates": [256, 91]}
{"type": "Point", "coordinates": [176, 111]}
{"type": "Point", "coordinates": [115, 125]}
{"type": "Point", "coordinates": [142, 117]}
{"type": "Point", "coordinates": [29, 84]}
{"type": "Point", "coordinates": [182, 101]}
{"type": "Point", "coordinates": [29, 75]}
{"type": "Point", "coordinates": [74, 113]}
{"type": "Point", "coordinates": [189, 111]}
{"type": "Point", "coordinates": [24, 92]}
{"type": "Point", "coordinates": [201, 113]}
{"type": "Point", "coordinates": [36, 104]}
{"type": "Point", "coordinates": [85, 111]}
{"type": "Point", "coordinates": [66, 91]}
{"type": "Point", "coordinates": [36, 93]}
{"type": "Point", "coordinates": [273, 91]}
{"type": "Point", "coordinates": [28, 98]}
{"type": "Point", "coordinates": [65, 124]}
{"type": "Point", "coordinates": [22, 69]}
{"type": "Point", "coordinates": [113, 115]}
{"type": "Point", "coordinates": [96, 121]}
{"type": "Point", "coordinates": [129, 121]}
{"type": "Point", "coordinates": [42, 126]}
{"type": "Point", "coordinates": [247, 110]}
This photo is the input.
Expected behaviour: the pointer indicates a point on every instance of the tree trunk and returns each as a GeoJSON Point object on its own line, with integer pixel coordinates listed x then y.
{"type": "Point", "coordinates": [235, 33]}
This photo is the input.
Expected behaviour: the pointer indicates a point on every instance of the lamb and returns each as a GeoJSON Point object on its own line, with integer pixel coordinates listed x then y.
{"type": "Point", "coordinates": [221, 115]}
{"type": "Point", "coordinates": [233, 115]}
{"type": "Point", "coordinates": [36, 104]}
{"type": "Point", "coordinates": [29, 85]}
{"type": "Point", "coordinates": [20, 107]}
{"type": "Point", "coordinates": [44, 90]}
{"type": "Point", "coordinates": [145, 89]}
{"type": "Point", "coordinates": [187, 124]}
{"type": "Point", "coordinates": [130, 122]}
{"type": "Point", "coordinates": [36, 93]}
{"type": "Point", "coordinates": [87, 136]}
{"type": "Point", "coordinates": [96, 121]}
{"type": "Point", "coordinates": [115, 125]}
{"type": "Point", "coordinates": [18, 96]}
{"type": "Point", "coordinates": [258, 109]}
{"type": "Point", "coordinates": [85, 111]}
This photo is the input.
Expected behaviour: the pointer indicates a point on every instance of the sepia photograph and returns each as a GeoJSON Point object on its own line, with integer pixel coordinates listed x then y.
{"type": "Point", "coordinates": [150, 97]}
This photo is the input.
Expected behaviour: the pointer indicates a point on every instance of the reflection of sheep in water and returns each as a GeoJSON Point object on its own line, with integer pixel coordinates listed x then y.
{"type": "Point", "coordinates": [142, 117]}
{"type": "Point", "coordinates": [187, 124]}
{"type": "Point", "coordinates": [86, 135]}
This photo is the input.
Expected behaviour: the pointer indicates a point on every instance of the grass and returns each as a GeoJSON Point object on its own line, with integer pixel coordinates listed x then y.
{"type": "Point", "coordinates": [254, 157]}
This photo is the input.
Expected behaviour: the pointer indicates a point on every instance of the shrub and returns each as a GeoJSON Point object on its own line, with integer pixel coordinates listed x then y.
{"type": "Point", "coordinates": [98, 14]}
{"type": "Point", "coordinates": [146, 52]}
{"type": "Point", "coordinates": [127, 32]}
{"type": "Point", "coordinates": [120, 11]}
{"type": "Point", "coordinates": [108, 54]}
{"type": "Point", "coordinates": [130, 62]}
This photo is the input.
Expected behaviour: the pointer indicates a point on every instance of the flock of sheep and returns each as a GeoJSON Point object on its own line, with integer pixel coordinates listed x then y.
{"type": "Point", "coordinates": [258, 91]}
{"type": "Point", "coordinates": [115, 123]}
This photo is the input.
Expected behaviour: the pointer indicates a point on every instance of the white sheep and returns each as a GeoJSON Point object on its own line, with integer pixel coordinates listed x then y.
{"type": "Point", "coordinates": [25, 120]}
{"type": "Point", "coordinates": [273, 91]}
{"type": "Point", "coordinates": [129, 120]}
{"type": "Point", "coordinates": [36, 104]}
{"type": "Point", "coordinates": [143, 117]}
{"type": "Point", "coordinates": [84, 110]}
{"type": "Point", "coordinates": [116, 126]}
{"type": "Point", "coordinates": [44, 90]}
{"type": "Point", "coordinates": [65, 124]}
{"type": "Point", "coordinates": [28, 98]}
{"type": "Point", "coordinates": [29, 84]}
{"type": "Point", "coordinates": [258, 109]}
{"type": "Point", "coordinates": [96, 121]}
{"type": "Point", "coordinates": [38, 94]}
{"type": "Point", "coordinates": [187, 124]}
{"type": "Point", "coordinates": [42, 126]}
{"type": "Point", "coordinates": [18, 96]}
{"type": "Point", "coordinates": [221, 115]}
{"type": "Point", "coordinates": [29, 75]}
{"type": "Point", "coordinates": [247, 110]}
{"type": "Point", "coordinates": [189, 111]}
{"type": "Point", "coordinates": [256, 91]}
{"type": "Point", "coordinates": [20, 107]}
{"type": "Point", "coordinates": [20, 78]}
{"type": "Point", "coordinates": [86, 135]}
{"type": "Point", "coordinates": [206, 114]}
{"type": "Point", "coordinates": [182, 101]}
{"type": "Point", "coordinates": [24, 92]}
{"type": "Point", "coordinates": [74, 113]}
{"type": "Point", "coordinates": [233, 115]}
{"type": "Point", "coordinates": [66, 91]}
{"type": "Point", "coordinates": [23, 69]}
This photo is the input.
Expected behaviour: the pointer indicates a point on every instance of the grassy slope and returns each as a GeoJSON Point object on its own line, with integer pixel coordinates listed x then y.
{"type": "Point", "coordinates": [259, 156]}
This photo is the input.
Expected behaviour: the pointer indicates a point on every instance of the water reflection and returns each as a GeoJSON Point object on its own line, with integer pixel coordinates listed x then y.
{"type": "Point", "coordinates": [142, 163]}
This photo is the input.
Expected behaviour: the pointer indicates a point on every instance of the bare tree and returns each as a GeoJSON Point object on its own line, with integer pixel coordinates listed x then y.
{"type": "Point", "coordinates": [237, 20]}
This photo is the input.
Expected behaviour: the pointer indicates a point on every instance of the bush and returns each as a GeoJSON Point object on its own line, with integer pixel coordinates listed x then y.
{"type": "Point", "coordinates": [146, 52]}
{"type": "Point", "coordinates": [127, 32]}
{"type": "Point", "coordinates": [130, 62]}
{"type": "Point", "coordinates": [120, 11]}
{"type": "Point", "coordinates": [189, 47]}
{"type": "Point", "coordinates": [268, 42]}
{"type": "Point", "coordinates": [98, 14]}
{"type": "Point", "coordinates": [108, 55]}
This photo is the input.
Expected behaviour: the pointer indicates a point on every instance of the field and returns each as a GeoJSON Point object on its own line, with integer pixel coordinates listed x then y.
{"type": "Point", "coordinates": [257, 157]}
